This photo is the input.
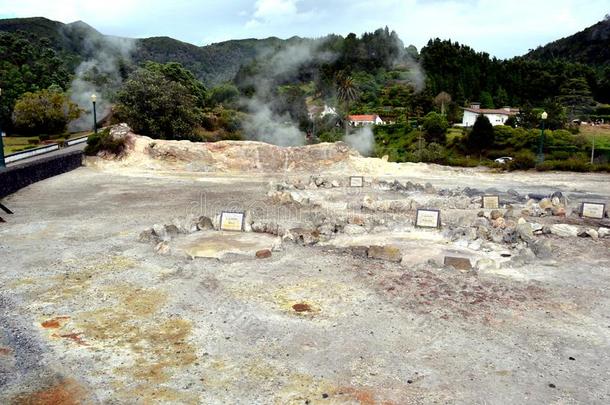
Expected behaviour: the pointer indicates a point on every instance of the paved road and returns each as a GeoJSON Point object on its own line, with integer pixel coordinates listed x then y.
{"type": "Point", "coordinates": [80, 146]}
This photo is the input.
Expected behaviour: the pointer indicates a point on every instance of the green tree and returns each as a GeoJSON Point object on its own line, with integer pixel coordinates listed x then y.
{"type": "Point", "coordinates": [155, 106]}
{"type": "Point", "coordinates": [435, 128]}
{"type": "Point", "coordinates": [486, 100]}
{"type": "Point", "coordinates": [44, 112]}
{"type": "Point", "coordinates": [175, 72]}
{"type": "Point", "coordinates": [481, 136]}
{"type": "Point", "coordinates": [224, 94]}
{"type": "Point", "coordinates": [346, 93]}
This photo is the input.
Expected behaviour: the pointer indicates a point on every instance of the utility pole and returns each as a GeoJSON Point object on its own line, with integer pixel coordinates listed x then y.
{"type": "Point", "coordinates": [593, 149]}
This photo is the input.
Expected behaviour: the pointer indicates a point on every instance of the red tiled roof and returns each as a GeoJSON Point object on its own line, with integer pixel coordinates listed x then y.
{"type": "Point", "coordinates": [362, 117]}
{"type": "Point", "coordinates": [513, 111]}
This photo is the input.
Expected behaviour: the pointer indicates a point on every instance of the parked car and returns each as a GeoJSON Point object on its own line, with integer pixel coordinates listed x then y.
{"type": "Point", "coordinates": [503, 160]}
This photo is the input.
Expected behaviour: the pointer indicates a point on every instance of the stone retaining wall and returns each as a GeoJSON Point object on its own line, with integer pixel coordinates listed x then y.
{"type": "Point", "coordinates": [18, 176]}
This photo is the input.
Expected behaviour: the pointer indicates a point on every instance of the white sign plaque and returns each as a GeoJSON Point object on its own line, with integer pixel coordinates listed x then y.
{"type": "Point", "coordinates": [428, 218]}
{"type": "Point", "coordinates": [491, 202]}
{"type": "Point", "coordinates": [356, 181]}
{"type": "Point", "coordinates": [232, 221]}
{"type": "Point", "coordinates": [593, 210]}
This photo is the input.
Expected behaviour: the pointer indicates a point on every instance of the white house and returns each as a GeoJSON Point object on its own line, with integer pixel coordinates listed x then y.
{"type": "Point", "coordinates": [496, 116]}
{"type": "Point", "coordinates": [362, 120]}
{"type": "Point", "coordinates": [316, 111]}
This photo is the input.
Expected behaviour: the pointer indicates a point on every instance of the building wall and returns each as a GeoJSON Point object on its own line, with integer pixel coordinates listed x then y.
{"type": "Point", "coordinates": [495, 119]}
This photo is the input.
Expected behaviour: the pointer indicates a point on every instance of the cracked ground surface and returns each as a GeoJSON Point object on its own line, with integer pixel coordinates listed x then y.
{"type": "Point", "coordinates": [89, 315]}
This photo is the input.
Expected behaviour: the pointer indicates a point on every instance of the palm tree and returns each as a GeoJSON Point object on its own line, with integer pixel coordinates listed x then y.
{"type": "Point", "coordinates": [346, 92]}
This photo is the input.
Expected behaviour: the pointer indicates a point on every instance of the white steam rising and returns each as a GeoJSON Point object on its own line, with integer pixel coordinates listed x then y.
{"type": "Point", "coordinates": [263, 124]}
{"type": "Point", "coordinates": [100, 74]}
{"type": "Point", "coordinates": [362, 140]}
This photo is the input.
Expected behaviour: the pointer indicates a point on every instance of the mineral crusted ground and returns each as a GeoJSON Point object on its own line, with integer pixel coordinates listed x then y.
{"type": "Point", "coordinates": [91, 314]}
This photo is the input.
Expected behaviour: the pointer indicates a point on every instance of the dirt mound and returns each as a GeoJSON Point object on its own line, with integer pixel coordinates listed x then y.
{"type": "Point", "coordinates": [228, 156]}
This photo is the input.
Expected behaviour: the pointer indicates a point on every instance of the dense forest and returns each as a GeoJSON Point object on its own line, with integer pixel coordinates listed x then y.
{"type": "Point", "coordinates": [236, 89]}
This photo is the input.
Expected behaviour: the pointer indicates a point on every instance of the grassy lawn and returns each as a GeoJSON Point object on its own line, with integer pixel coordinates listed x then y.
{"type": "Point", "coordinates": [600, 132]}
{"type": "Point", "coordinates": [14, 144]}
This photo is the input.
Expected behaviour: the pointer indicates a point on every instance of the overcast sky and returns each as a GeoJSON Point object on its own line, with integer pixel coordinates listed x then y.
{"type": "Point", "coordinates": [503, 28]}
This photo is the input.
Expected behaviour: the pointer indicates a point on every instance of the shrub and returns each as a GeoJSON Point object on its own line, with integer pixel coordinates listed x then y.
{"type": "Point", "coordinates": [435, 127]}
{"type": "Point", "coordinates": [103, 142]}
{"type": "Point", "coordinates": [524, 160]}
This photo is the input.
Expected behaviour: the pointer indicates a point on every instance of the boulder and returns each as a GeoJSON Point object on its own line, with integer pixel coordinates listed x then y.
{"type": "Point", "coordinates": [263, 254]}
{"type": "Point", "coordinates": [172, 230]}
{"type": "Point", "coordinates": [460, 263]}
{"type": "Point", "coordinates": [162, 248]}
{"type": "Point", "coordinates": [542, 248]}
{"type": "Point", "coordinates": [160, 231]}
{"type": "Point", "coordinates": [486, 264]}
{"type": "Point", "coordinates": [603, 232]}
{"type": "Point", "coordinates": [593, 233]}
{"type": "Point", "coordinates": [545, 203]}
{"type": "Point", "coordinates": [388, 253]}
{"type": "Point", "coordinates": [559, 211]}
{"type": "Point", "coordinates": [495, 214]}
{"type": "Point", "coordinates": [525, 231]}
{"type": "Point", "coordinates": [351, 229]}
{"type": "Point", "coordinates": [564, 230]}
{"type": "Point", "coordinates": [204, 223]}
{"type": "Point", "coordinates": [499, 223]}
{"type": "Point", "coordinates": [303, 236]}
{"type": "Point", "coordinates": [148, 236]}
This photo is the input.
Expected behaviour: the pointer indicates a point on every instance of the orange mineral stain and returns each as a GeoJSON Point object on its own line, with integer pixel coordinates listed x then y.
{"type": "Point", "coordinates": [54, 323]}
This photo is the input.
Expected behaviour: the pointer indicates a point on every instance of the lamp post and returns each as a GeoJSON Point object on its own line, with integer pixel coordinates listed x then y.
{"type": "Point", "coordinates": [543, 117]}
{"type": "Point", "coordinates": [93, 99]}
{"type": "Point", "coordinates": [2, 162]}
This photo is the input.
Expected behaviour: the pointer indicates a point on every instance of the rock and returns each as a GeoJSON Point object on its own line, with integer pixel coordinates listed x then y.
{"type": "Point", "coordinates": [495, 214]}
{"type": "Point", "coordinates": [564, 230]}
{"type": "Point", "coordinates": [509, 213]}
{"type": "Point", "coordinates": [335, 184]}
{"type": "Point", "coordinates": [525, 231]}
{"type": "Point", "coordinates": [486, 264]}
{"type": "Point", "coordinates": [481, 214]}
{"type": "Point", "coordinates": [148, 236]}
{"type": "Point", "coordinates": [521, 221]}
{"type": "Point", "coordinates": [162, 248]}
{"type": "Point", "coordinates": [475, 245]}
{"type": "Point", "coordinates": [542, 248]}
{"type": "Point", "coordinates": [388, 253]}
{"type": "Point", "coordinates": [429, 189]}
{"type": "Point", "coordinates": [356, 220]}
{"type": "Point", "coordinates": [526, 213]}
{"type": "Point", "coordinates": [545, 203]}
{"type": "Point", "coordinates": [603, 232]}
{"type": "Point", "coordinates": [263, 254]}
{"type": "Point", "coordinates": [546, 230]}
{"type": "Point", "coordinates": [172, 230]}
{"type": "Point", "coordinates": [592, 233]}
{"type": "Point", "coordinates": [204, 223]}
{"type": "Point", "coordinates": [351, 229]}
{"type": "Point", "coordinates": [559, 211]}
{"type": "Point", "coordinates": [497, 236]}
{"type": "Point", "coordinates": [480, 221]}
{"type": "Point", "coordinates": [510, 236]}
{"type": "Point", "coordinates": [185, 225]}
{"type": "Point", "coordinates": [499, 223]}
{"type": "Point", "coordinates": [119, 132]}
{"type": "Point", "coordinates": [160, 232]}
{"type": "Point", "coordinates": [521, 258]}
{"type": "Point", "coordinates": [460, 263]}
{"type": "Point", "coordinates": [537, 228]}
{"type": "Point", "coordinates": [556, 201]}
{"type": "Point", "coordinates": [303, 236]}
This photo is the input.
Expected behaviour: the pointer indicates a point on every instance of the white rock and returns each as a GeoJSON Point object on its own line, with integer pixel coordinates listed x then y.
{"type": "Point", "coordinates": [351, 229]}
{"type": "Point", "coordinates": [521, 221]}
{"type": "Point", "coordinates": [592, 233]}
{"type": "Point", "coordinates": [603, 232]}
{"type": "Point", "coordinates": [564, 230]}
{"type": "Point", "coordinates": [486, 264]}
{"type": "Point", "coordinates": [335, 183]}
